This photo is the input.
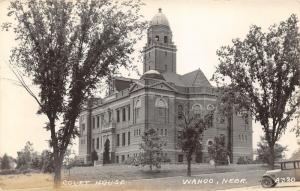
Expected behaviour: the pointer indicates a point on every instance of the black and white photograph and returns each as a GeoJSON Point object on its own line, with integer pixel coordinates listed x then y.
{"type": "Point", "coordinates": [149, 95]}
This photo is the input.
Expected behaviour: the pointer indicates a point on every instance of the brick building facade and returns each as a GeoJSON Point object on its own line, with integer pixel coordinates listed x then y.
{"type": "Point", "coordinates": [154, 101]}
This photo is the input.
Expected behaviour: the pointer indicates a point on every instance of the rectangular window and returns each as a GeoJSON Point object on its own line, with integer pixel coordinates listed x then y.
{"type": "Point", "coordinates": [118, 116]}
{"type": "Point", "coordinates": [117, 159]}
{"type": "Point", "coordinates": [97, 143]}
{"type": "Point", "coordinates": [124, 114]}
{"type": "Point", "coordinates": [180, 158]}
{"type": "Point", "coordinates": [129, 138]}
{"type": "Point", "coordinates": [123, 158]}
{"type": "Point", "coordinates": [161, 132]}
{"type": "Point", "coordinates": [128, 112]}
{"type": "Point", "coordinates": [98, 121]}
{"type": "Point", "coordinates": [166, 132]}
{"type": "Point", "coordinates": [137, 112]}
{"type": "Point", "coordinates": [165, 39]}
{"type": "Point", "coordinates": [93, 123]}
{"type": "Point", "coordinates": [123, 139]}
{"type": "Point", "coordinates": [102, 120]}
{"type": "Point", "coordinates": [118, 140]}
{"type": "Point", "coordinates": [93, 144]}
{"type": "Point", "coordinates": [82, 127]}
{"type": "Point", "coordinates": [109, 116]}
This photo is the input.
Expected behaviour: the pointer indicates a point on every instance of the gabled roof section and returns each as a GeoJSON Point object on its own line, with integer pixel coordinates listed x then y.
{"type": "Point", "coordinates": [162, 85]}
{"type": "Point", "coordinates": [174, 78]}
{"type": "Point", "coordinates": [121, 83]}
{"type": "Point", "coordinates": [195, 78]}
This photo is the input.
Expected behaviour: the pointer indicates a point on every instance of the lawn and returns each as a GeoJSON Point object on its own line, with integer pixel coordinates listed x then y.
{"type": "Point", "coordinates": [113, 173]}
{"type": "Point", "coordinates": [126, 172]}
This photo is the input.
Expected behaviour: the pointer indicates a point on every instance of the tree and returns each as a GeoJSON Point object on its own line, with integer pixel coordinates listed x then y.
{"type": "Point", "coordinates": [106, 157]}
{"type": "Point", "coordinates": [191, 129]}
{"type": "Point", "coordinates": [67, 48]}
{"type": "Point", "coordinates": [47, 161]}
{"type": "Point", "coordinates": [217, 150]}
{"type": "Point", "coordinates": [25, 156]}
{"type": "Point", "coordinates": [151, 147]}
{"type": "Point", "coordinates": [262, 73]}
{"type": "Point", "coordinates": [263, 151]}
{"type": "Point", "coordinates": [296, 154]}
{"type": "Point", "coordinates": [5, 163]}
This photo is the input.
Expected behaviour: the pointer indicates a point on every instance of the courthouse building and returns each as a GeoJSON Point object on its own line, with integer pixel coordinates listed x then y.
{"type": "Point", "coordinates": [154, 101]}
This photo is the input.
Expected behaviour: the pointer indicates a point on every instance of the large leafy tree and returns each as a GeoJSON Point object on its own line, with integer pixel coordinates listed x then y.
{"type": "Point", "coordinates": [263, 72]}
{"type": "Point", "coordinates": [191, 128]}
{"type": "Point", "coordinates": [263, 151]}
{"type": "Point", "coordinates": [151, 148]}
{"type": "Point", "coordinates": [66, 48]}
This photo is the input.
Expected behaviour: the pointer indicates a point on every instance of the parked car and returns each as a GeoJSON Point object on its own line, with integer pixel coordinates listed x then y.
{"type": "Point", "coordinates": [289, 172]}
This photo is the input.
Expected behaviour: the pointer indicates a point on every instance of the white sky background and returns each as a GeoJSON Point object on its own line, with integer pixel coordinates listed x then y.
{"type": "Point", "coordinates": [199, 29]}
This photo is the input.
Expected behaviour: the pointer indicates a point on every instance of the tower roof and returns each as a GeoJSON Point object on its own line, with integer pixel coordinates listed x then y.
{"type": "Point", "coordinates": [154, 74]}
{"type": "Point", "coordinates": [159, 19]}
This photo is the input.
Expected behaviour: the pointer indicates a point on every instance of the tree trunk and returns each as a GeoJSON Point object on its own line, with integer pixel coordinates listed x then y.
{"type": "Point", "coordinates": [272, 156]}
{"type": "Point", "coordinates": [57, 172]}
{"type": "Point", "coordinates": [189, 158]}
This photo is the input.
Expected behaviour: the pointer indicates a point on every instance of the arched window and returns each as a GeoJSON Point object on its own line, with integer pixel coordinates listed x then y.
{"type": "Point", "coordinates": [161, 103]}
{"type": "Point", "coordinates": [197, 109]}
{"type": "Point", "coordinates": [157, 38]}
{"type": "Point", "coordinates": [210, 107]}
{"type": "Point", "coordinates": [161, 108]}
{"type": "Point", "coordinates": [179, 112]}
{"type": "Point", "coordinates": [137, 109]}
{"type": "Point", "coordinates": [209, 143]}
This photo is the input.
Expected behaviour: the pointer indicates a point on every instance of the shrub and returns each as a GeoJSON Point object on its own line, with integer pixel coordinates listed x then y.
{"type": "Point", "coordinates": [244, 160]}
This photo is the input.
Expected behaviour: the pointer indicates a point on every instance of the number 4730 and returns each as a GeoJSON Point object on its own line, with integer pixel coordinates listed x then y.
{"type": "Point", "coordinates": [285, 179]}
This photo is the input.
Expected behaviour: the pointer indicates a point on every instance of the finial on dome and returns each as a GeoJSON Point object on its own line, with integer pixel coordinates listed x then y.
{"type": "Point", "coordinates": [159, 10]}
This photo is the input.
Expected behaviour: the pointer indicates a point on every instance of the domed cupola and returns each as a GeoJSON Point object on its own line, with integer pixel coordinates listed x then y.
{"type": "Point", "coordinates": [153, 74]}
{"type": "Point", "coordinates": [159, 19]}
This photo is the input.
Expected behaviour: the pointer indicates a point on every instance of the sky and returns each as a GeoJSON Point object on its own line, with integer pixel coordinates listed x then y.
{"type": "Point", "coordinates": [199, 27]}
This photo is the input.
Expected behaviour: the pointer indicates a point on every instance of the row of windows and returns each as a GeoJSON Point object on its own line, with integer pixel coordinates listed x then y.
{"type": "Point", "coordinates": [123, 139]}
{"type": "Point", "coordinates": [98, 141]}
{"type": "Point", "coordinates": [121, 158]}
{"type": "Point", "coordinates": [157, 39]}
{"type": "Point", "coordinates": [162, 132]}
{"type": "Point", "coordinates": [196, 108]}
{"type": "Point", "coordinates": [123, 109]}
{"type": "Point", "coordinates": [243, 138]}
{"type": "Point", "coordinates": [96, 121]}
{"type": "Point", "coordinates": [137, 132]}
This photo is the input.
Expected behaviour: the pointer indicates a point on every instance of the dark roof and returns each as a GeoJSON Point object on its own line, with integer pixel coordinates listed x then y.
{"type": "Point", "coordinates": [191, 79]}
{"type": "Point", "coordinates": [196, 78]}
{"type": "Point", "coordinates": [121, 83]}
{"type": "Point", "coordinates": [174, 78]}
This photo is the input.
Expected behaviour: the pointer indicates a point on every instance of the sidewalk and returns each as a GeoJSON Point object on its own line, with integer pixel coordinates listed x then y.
{"type": "Point", "coordinates": [294, 186]}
